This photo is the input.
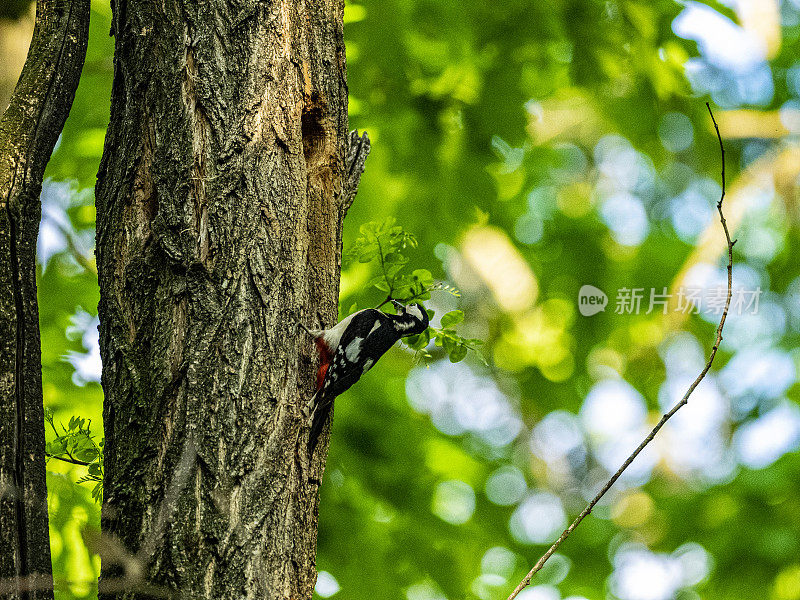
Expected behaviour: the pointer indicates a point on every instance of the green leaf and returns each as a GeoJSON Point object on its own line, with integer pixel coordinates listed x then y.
{"type": "Point", "coordinates": [367, 228]}
{"type": "Point", "coordinates": [402, 292]}
{"type": "Point", "coordinates": [376, 279]}
{"type": "Point", "coordinates": [393, 270]}
{"type": "Point", "coordinates": [448, 343]}
{"type": "Point", "coordinates": [367, 256]}
{"type": "Point", "coordinates": [86, 455]}
{"type": "Point", "coordinates": [422, 275]}
{"type": "Point", "coordinates": [420, 341]}
{"type": "Point", "coordinates": [395, 257]}
{"type": "Point", "coordinates": [458, 353]}
{"type": "Point", "coordinates": [454, 317]}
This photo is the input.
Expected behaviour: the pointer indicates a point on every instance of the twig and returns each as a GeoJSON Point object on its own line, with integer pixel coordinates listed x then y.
{"type": "Point", "coordinates": [386, 300]}
{"type": "Point", "coordinates": [76, 253]}
{"type": "Point", "coordinates": [540, 563]}
{"type": "Point", "coordinates": [408, 300]}
{"type": "Point", "coordinates": [70, 460]}
{"type": "Point", "coordinates": [385, 274]}
{"type": "Point", "coordinates": [437, 286]}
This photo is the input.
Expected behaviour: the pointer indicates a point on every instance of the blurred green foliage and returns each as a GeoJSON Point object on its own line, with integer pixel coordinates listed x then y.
{"type": "Point", "coordinates": [532, 148]}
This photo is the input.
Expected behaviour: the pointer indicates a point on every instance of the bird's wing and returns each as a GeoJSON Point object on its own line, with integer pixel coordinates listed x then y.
{"type": "Point", "coordinates": [350, 359]}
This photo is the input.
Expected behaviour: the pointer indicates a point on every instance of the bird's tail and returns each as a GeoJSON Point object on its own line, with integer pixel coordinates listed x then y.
{"type": "Point", "coordinates": [319, 416]}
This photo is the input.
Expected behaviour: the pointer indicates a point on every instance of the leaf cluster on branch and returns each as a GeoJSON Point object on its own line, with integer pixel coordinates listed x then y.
{"type": "Point", "coordinates": [75, 443]}
{"type": "Point", "coordinates": [384, 245]}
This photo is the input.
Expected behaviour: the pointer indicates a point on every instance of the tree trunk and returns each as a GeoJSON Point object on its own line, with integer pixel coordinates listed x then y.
{"type": "Point", "coordinates": [220, 199]}
{"type": "Point", "coordinates": [28, 132]}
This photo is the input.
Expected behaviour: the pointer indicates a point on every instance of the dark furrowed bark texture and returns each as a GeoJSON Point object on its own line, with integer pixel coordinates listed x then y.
{"type": "Point", "coordinates": [220, 199]}
{"type": "Point", "coordinates": [28, 132]}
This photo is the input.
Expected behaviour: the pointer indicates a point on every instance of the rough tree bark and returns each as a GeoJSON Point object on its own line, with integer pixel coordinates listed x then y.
{"type": "Point", "coordinates": [221, 192]}
{"type": "Point", "coordinates": [28, 132]}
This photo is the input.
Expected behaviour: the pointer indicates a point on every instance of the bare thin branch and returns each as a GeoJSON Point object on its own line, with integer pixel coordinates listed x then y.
{"type": "Point", "coordinates": [75, 251]}
{"type": "Point", "coordinates": [68, 459]}
{"type": "Point", "coordinates": [718, 339]}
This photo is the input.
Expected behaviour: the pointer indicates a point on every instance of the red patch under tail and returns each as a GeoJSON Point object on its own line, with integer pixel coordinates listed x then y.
{"type": "Point", "coordinates": [325, 362]}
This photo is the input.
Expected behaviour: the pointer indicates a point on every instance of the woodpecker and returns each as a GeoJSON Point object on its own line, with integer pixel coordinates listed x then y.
{"type": "Point", "coordinates": [350, 349]}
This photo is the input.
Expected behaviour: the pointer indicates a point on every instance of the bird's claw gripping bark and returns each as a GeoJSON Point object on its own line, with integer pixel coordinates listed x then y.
{"type": "Point", "coordinates": [298, 323]}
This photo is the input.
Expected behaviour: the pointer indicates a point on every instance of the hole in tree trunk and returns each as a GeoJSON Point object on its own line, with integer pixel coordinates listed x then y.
{"type": "Point", "coordinates": [313, 135]}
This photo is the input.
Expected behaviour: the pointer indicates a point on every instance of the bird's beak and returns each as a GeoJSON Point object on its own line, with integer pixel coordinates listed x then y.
{"type": "Point", "coordinates": [398, 306]}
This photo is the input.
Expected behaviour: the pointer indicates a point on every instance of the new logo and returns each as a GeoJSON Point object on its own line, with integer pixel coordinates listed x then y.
{"type": "Point", "coordinates": [591, 300]}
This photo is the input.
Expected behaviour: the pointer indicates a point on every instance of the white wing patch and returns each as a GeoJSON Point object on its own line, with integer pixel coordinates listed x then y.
{"type": "Point", "coordinates": [375, 327]}
{"type": "Point", "coordinates": [368, 364]}
{"type": "Point", "coordinates": [353, 349]}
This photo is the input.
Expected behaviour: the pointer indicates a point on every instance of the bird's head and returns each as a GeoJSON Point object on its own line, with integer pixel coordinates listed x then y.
{"type": "Point", "coordinates": [411, 319]}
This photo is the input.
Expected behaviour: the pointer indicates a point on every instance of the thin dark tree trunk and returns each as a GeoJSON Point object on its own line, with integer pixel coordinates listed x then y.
{"type": "Point", "coordinates": [28, 132]}
{"type": "Point", "coordinates": [220, 198]}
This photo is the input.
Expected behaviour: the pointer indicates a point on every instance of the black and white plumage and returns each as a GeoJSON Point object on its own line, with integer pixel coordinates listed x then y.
{"type": "Point", "coordinates": [350, 349]}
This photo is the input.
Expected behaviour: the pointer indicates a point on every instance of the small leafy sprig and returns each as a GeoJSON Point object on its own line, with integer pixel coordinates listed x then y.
{"type": "Point", "coordinates": [75, 444]}
{"type": "Point", "coordinates": [385, 243]}
{"type": "Point", "coordinates": [446, 338]}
